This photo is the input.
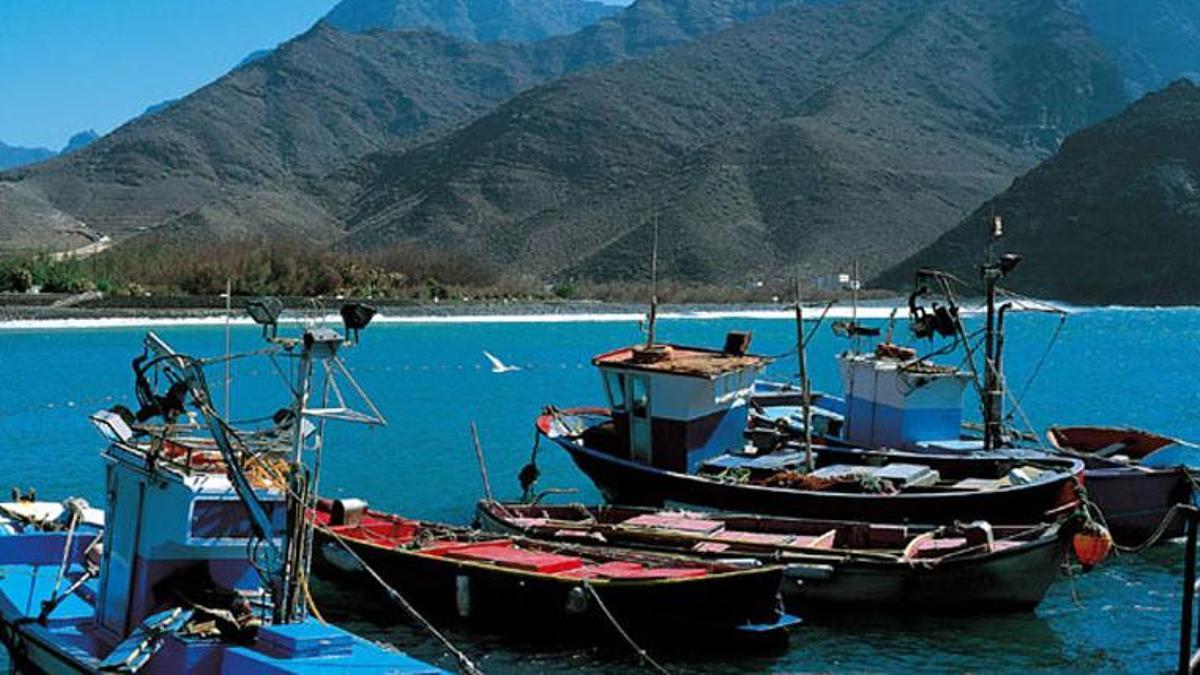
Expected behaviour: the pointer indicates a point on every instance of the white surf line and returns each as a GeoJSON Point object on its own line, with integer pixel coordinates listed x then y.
{"type": "Point", "coordinates": [872, 312]}
{"type": "Point", "coordinates": [565, 317]}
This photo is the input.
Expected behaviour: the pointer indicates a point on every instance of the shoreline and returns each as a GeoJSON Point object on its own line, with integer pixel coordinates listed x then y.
{"type": "Point", "coordinates": [28, 317]}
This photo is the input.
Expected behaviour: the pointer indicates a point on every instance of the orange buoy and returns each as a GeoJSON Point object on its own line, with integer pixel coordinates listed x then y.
{"type": "Point", "coordinates": [1092, 544]}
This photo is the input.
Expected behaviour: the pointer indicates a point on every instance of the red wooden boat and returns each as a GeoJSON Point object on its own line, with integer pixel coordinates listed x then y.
{"type": "Point", "coordinates": [517, 583]}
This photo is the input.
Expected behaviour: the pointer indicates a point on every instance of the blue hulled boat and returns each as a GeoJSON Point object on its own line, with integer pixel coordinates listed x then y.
{"type": "Point", "coordinates": [202, 564]}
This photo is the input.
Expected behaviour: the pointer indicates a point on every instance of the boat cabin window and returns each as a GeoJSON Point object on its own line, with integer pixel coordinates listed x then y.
{"type": "Point", "coordinates": [614, 386]}
{"type": "Point", "coordinates": [640, 397]}
{"type": "Point", "coordinates": [229, 519]}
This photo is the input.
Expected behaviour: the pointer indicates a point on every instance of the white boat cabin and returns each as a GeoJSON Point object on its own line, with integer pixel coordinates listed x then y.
{"type": "Point", "coordinates": [673, 406]}
{"type": "Point", "coordinates": [896, 400]}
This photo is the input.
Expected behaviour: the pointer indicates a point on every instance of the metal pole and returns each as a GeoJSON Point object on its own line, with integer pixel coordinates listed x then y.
{"type": "Point", "coordinates": [653, 286]}
{"type": "Point", "coordinates": [988, 439]}
{"type": "Point", "coordinates": [805, 386]}
{"type": "Point", "coordinates": [1189, 592]}
{"type": "Point", "coordinates": [228, 314]}
{"type": "Point", "coordinates": [297, 508]}
{"type": "Point", "coordinates": [854, 308]}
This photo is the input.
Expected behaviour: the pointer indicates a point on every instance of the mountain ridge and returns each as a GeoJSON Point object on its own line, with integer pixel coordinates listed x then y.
{"type": "Point", "coordinates": [476, 20]}
{"type": "Point", "coordinates": [12, 156]}
{"type": "Point", "coordinates": [272, 127]}
{"type": "Point", "coordinates": [1113, 217]}
{"type": "Point", "coordinates": [524, 187]}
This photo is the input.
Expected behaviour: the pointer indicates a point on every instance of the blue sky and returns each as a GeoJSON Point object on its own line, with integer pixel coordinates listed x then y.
{"type": "Point", "coordinates": [70, 65]}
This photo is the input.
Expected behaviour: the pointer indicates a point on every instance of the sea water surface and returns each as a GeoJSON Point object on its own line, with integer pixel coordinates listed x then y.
{"type": "Point", "coordinates": [1113, 367]}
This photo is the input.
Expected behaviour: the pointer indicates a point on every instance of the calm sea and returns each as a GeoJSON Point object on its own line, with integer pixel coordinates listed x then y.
{"type": "Point", "coordinates": [1115, 367]}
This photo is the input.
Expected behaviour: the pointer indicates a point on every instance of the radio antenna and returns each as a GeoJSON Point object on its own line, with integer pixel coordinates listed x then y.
{"type": "Point", "coordinates": [653, 285]}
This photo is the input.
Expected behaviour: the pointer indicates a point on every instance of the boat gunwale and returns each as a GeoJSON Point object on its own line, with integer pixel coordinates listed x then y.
{"type": "Point", "coordinates": [711, 575]}
{"type": "Point", "coordinates": [1041, 534]}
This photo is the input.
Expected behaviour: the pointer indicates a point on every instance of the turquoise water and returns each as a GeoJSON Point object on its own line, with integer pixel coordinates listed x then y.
{"type": "Point", "coordinates": [1109, 366]}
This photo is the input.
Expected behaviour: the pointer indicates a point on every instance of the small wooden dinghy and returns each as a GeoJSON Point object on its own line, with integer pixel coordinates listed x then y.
{"type": "Point", "coordinates": [1136, 477]}
{"type": "Point", "coordinates": [1111, 444]}
{"type": "Point", "coordinates": [510, 582]}
{"type": "Point", "coordinates": [965, 568]}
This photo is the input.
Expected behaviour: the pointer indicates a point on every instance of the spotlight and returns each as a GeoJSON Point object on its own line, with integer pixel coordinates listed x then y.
{"type": "Point", "coordinates": [1008, 262]}
{"type": "Point", "coordinates": [356, 316]}
{"type": "Point", "coordinates": [265, 312]}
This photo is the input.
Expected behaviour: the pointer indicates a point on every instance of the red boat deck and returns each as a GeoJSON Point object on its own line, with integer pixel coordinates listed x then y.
{"type": "Point", "coordinates": [394, 532]}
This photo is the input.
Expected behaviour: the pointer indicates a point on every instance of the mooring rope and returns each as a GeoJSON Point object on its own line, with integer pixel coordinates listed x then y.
{"type": "Point", "coordinates": [464, 661]}
{"type": "Point", "coordinates": [643, 655]}
{"type": "Point", "coordinates": [1154, 538]}
{"type": "Point", "coordinates": [1093, 512]}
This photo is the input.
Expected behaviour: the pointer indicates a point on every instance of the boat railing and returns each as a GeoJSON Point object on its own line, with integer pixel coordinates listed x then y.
{"type": "Point", "coordinates": [1189, 659]}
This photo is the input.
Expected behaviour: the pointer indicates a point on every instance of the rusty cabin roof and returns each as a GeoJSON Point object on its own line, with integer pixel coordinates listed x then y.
{"type": "Point", "coordinates": [680, 360]}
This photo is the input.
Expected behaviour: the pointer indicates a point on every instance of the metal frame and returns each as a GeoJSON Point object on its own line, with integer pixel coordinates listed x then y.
{"type": "Point", "coordinates": [1189, 660]}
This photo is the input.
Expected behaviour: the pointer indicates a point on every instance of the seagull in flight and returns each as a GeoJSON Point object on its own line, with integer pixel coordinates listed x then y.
{"type": "Point", "coordinates": [499, 366]}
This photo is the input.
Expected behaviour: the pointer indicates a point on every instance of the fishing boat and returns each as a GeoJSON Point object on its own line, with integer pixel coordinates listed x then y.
{"type": "Point", "coordinates": [516, 583]}
{"type": "Point", "coordinates": [910, 409]}
{"type": "Point", "coordinates": [675, 431]}
{"type": "Point", "coordinates": [201, 563]}
{"type": "Point", "coordinates": [831, 565]}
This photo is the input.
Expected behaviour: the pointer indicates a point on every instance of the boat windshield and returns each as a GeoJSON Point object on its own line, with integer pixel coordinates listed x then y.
{"type": "Point", "coordinates": [614, 387]}
{"type": "Point", "coordinates": [229, 519]}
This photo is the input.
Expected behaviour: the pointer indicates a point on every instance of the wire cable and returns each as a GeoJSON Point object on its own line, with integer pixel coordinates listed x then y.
{"type": "Point", "coordinates": [464, 661]}
{"type": "Point", "coordinates": [642, 653]}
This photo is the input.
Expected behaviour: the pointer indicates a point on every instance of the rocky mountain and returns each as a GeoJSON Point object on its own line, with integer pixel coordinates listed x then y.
{"type": "Point", "coordinates": [15, 155]}
{"type": "Point", "coordinates": [813, 136]}
{"type": "Point", "coordinates": [1113, 217]}
{"type": "Point", "coordinates": [80, 141]}
{"type": "Point", "coordinates": [247, 153]}
{"type": "Point", "coordinates": [12, 156]}
{"type": "Point", "coordinates": [477, 20]}
{"type": "Point", "coordinates": [154, 108]}
{"type": "Point", "coordinates": [1155, 41]}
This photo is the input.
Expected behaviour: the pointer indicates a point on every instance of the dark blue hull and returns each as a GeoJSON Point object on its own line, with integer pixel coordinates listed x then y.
{"type": "Point", "coordinates": [625, 482]}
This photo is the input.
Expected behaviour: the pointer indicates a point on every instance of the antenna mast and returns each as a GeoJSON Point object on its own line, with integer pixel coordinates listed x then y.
{"type": "Point", "coordinates": [993, 270]}
{"type": "Point", "coordinates": [854, 308]}
{"type": "Point", "coordinates": [653, 285]}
